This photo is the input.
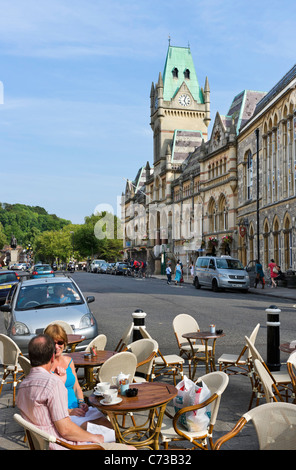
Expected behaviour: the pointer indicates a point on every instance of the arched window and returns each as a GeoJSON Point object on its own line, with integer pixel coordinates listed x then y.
{"type": "Point", "coordinates": [276, 241]}
{"type": "Point", "coordinates": [187, 74]}
{"type": "Point", "coordinates": [223, 214]}
{"type": "Point", "coordinates": [175, 72]}
{"type": "Point", "coordinates": [287, 243]}
{"type": "Point", "coordinates": [266, 243]}
{"type": "Point", "coordinates": [212, 215]}
{"type": "Point", "coordinates": [249, 174]}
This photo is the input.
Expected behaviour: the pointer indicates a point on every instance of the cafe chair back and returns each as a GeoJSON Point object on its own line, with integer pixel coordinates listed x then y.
{"type": "Point", "coordinates": [38, 439]}
{"type": "Point", "coordinates": [291, 367]}
{"type": "Point", "coordinates": [12, 371]}
{"type": "Point", "coordinates": [234, 364]}
{"type": "Point", "coordinates": [25, 364]}
{"type": "Point", "coordinates": [275, 425]}
{"type": "Point", "coordinates": [67, 327]}
{"type": "Point", "coordinates": [170, 364]}
{"type": "Point", "coordinates": [172, 428]}
{"type": "Point", "coordinates": [184, 323]}
{"type": "Point", "coordinates": [125, 339]}
{"type": "Point", "coordinates": [124, 362]}
{"type": "Point", "coordinates": [281, 380]}
{"type": "Point", "coordinates": [98, 342]}
{"type": "Point", "coordinates": [145, 351]}
{"type": "Point", "coordinates": [271, 392]}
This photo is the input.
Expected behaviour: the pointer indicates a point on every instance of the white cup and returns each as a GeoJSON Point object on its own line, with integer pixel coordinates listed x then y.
{"type": "Point", "coordinates": [101, 387]}
{"type": "Point", "coordinates": [110, 395]}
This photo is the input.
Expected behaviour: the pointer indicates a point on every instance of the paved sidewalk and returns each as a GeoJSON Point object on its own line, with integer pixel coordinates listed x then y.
{"type": "Point", "coordinates": [234, 403]}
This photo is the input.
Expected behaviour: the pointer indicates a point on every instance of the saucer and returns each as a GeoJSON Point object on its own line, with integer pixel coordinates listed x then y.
{"type": "Point", "coordinates": [97, 393]}
{"type": "Point", "coordinates": [114, 402]}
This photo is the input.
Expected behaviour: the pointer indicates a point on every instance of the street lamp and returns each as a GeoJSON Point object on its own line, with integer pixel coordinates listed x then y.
{"type": "Point", "coordinates": [257, 162]}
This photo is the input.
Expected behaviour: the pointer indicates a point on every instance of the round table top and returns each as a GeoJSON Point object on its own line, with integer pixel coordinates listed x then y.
{"type": "Point", "coordinates": [150, 395]}
{"type": "Point", "coordinates": [202, 335]}
{"type": "Point", "coordinates": [73, 338]}
{"type": "Point", "coordinates": [80, 360]}
{"type": "Point", "coordinates": [287, 348]}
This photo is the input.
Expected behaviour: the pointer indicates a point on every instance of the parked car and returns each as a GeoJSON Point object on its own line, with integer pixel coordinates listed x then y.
{"type": "Point", "coordinates": [42, 270]}
{"type": "Point", "coordinates": [110, 268]}
{"type": "Point", "coordinates": [33, 304]}
{"type": "Point", "coordinates": [95, 264]}
{"type": "Point", "coordinates": [220, 273]}
{"type": "Point", "coordinates": [103, 268]}
{"type": "Point", "coordinates": [120, 268]}
{"type": "Point", "coordinates": [7, 280]}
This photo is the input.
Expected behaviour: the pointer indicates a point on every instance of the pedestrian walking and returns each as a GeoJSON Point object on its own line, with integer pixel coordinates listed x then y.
{"type": "Point", "coordinates": [274, 270]}
{"type": "Point", "coordinates": [178, 273]}
{"type": "Point", "coordinates": [259, 274]}
{"type": "Point", "coordinates": [169, 274]}
{"type": "Point", "coordinates": [191, 267]}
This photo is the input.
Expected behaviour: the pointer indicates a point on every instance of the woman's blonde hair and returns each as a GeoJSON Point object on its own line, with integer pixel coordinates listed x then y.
{"type": "Point", "coordinates": [57, 333]}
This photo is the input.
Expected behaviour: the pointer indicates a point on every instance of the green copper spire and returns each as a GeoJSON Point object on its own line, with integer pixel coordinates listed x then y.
{"type": "Point", "coordinates": [179, 68]}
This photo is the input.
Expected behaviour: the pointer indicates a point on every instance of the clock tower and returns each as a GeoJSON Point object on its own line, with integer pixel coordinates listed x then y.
{"type": "Point", "coordinates": [179, 107]}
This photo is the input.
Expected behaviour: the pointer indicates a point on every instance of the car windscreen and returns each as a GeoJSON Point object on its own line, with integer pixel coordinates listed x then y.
{"type": "Point", "coordinates": [7, 277]}
{"type": "Point", "coordinates": [48, 295]}
{"type": "Point", "coordinates": [229, 264]}
{"type": "Point", "coordinates": [46, 267]}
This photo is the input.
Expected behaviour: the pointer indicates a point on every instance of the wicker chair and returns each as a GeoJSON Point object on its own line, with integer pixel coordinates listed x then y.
{"type": "Point", "coordinates": [291, 366]}
{"type": "Point", "coordinates": [172, 429]}
{"type": "Point", "coordinates": [25, 364]}
{"type": "Point", "coordinates": [170, 364]}
{"type": "Point", "coordinates": [11, 354]}
{"type": "Point", "coordinates": [145, 351]}
{"type": "Point", "coordinates": [275, 425]}
{"type": "Point", "coordinates": [40, 440]}
{"type": "Point", "coordinates": [68, 328]}
{"type": "Point", "coordinates": [281, 379]}
{"type": "Point", "coordinates": [271, 392]}
{"type": "Point", "coordinates": [125, 362]}
{"type": "Point", "coordinates": [125, 339]}
{"type": "Point", "coordinates": [234, 364]}
{"type": "Point", "coordinates": [184, 323]}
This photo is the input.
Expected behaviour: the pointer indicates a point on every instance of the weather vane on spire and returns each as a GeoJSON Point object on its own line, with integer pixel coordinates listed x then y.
{"type": "Point", "coordinates": [169, 38]}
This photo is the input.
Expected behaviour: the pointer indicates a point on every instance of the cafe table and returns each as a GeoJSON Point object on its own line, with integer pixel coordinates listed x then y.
{"type": "Point", "coordinates": [152, 399]}
{"type": "Point", "coordinates": [288, 347]}
{"type": "Point", "coordinates": [73, 340]}
{"type": "Point", "coordinates": [209, 358]}
{"type": "Point", "coordinates": [88, 362]}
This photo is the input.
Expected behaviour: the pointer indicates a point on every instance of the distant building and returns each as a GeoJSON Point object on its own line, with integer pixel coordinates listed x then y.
{"type": "Point", "coordinates": [200, 195]}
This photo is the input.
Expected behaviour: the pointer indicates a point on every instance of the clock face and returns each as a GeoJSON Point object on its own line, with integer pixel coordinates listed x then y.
{"type": "Point", "coordinates": [184, 100]}
{"type": "Point", "coordinates": [156, 103]}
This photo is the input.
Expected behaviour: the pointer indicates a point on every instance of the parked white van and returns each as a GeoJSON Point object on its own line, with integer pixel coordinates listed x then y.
{"type": "Point", "coordinates": [222, 272]}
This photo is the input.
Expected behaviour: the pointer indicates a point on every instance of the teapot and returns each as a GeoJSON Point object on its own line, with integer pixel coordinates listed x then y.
{"type": "Point", "coordinates": [121, 379]}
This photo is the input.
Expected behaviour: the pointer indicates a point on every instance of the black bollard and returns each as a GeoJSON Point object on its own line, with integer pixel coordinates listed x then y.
{"type": "Point", "coordinates": [273, 338]}
{"type": "Point", "coordinates": [138, 320]}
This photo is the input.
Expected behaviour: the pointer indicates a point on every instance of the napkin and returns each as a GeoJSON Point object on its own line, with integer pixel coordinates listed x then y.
{"type": "Point", "coordinates": [109, 434]}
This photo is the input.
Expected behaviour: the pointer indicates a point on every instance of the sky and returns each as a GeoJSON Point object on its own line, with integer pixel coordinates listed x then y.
{"type": "Point", "coordinates": [75, 81]}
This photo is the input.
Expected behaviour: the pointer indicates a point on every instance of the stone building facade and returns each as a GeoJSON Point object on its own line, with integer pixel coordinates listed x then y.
{"type": "Point", "coordinates": [201, 194]}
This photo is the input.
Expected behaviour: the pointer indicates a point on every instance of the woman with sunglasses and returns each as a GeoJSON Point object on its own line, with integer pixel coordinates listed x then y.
{"type": "Point", "coordinates": [63, 366]}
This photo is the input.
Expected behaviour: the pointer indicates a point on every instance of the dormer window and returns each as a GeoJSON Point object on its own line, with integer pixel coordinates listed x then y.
{"type": "Point", "coordinates": [187, 74]}
{"type": "Point", "coordinates": [175, 72]}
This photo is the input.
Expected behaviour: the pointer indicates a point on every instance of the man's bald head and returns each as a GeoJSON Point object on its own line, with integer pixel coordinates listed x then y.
{"type": "Point", "coordinates": [41, 349]}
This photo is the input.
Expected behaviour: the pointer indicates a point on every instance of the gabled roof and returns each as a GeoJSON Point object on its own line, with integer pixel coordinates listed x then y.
{"type": "Point", "coordinates": [184, 143]}
{"type": "Point", "coordinates": [180, 58]}
{"type": "Point", "coordinates": [242, 108]}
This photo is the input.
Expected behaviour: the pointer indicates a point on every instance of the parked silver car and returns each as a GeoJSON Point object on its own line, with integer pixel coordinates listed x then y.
{"type": "Point", "coordinates": [220, 273]}
{"type": "Point", "coordinates": [32, 304]}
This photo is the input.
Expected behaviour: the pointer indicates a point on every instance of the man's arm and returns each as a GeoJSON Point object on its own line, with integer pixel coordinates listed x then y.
{"type": "Point", "coordinates": [71, 432]}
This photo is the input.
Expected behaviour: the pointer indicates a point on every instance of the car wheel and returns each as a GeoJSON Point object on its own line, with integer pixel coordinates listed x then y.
{"type": "Point", "coordinates": [196, 283]}
{"type": "Point", "coordinates": [215, 285]}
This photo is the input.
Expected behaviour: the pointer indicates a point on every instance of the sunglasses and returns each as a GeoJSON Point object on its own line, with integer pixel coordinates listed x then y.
{"type": "Point", "coordinates": [60, 343]}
